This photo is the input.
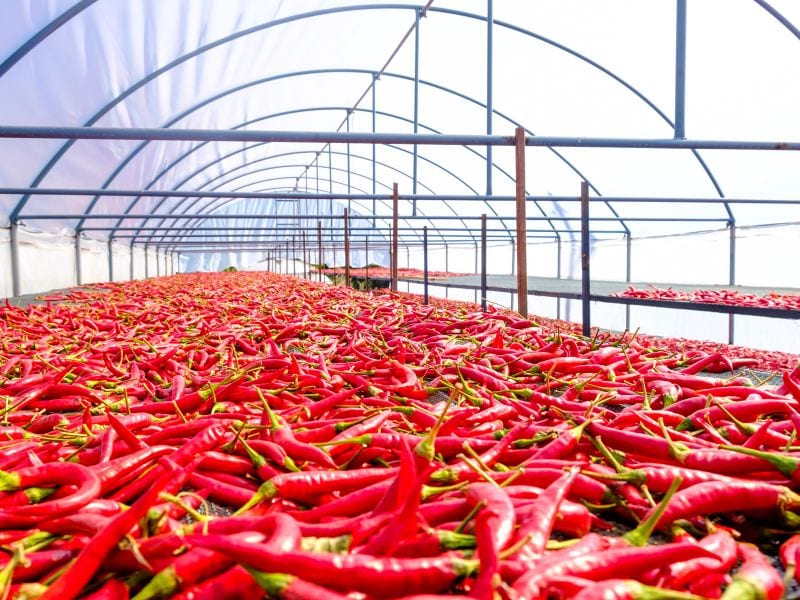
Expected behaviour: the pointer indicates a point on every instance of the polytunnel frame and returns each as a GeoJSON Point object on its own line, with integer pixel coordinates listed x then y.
{"type": "Point", "coordinates": [519, 141]}
{"type": "Point", "coordinates": [680, 58]}
{"type": "Point", "coordinates": [419, 12]}
{"type": "Point", "coordinates": [297, 111]}
{"type": "Point", "coordinates": [283, 165]}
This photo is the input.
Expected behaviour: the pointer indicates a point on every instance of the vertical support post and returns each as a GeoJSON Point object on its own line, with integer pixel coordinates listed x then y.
{"type": "Point", "coordinates": [731, 273]}
{"type": "Point", "coordinates": [628, 260]}
{"type": "Point", "coordinates": [477, 270]}
{"type": "Point", "coordinates": [349, 187]}
{"type": "Point", "coordinates": [319, 249]}
{"type": "Point", "coordinates": [146, 263]}
{"type": "Point", "coordinates": [446, 268]}
{"type": "Point", "coordinates": [346, 251]}
{"type": "Point", "coordinates": [425, 265]}
{"type": "Point", "coordinates": [374, 147]}
{"type": "Point", "coordinates": [680, 69]}
{"type": "Point", "coordinates": [489, 88]}
{"type": "Point", "coordinates": [366, 259]}
{"type": "Point", "coordinates": [15, 283]}
{"type": "Point", "coordinates": [483, 262]}
{"type": "Point", "coordinates": [306, 274]}
{"type": "Point", "coordinates": [558, 274]}
{"type": "Point", "coordinates": [395, 234]}
{"type": "Point", "coordinates": [522, 235]}
{"type": "Point", "coordinates": [110, 259]}
{"type": "Point", "coordinates": [416, 114]}
{"type": "Point", "coordinates": [330, 190]}
{"type": "Point", "coordinates": [131, 248]}
{"type": "Point", "coordinates": [78, 274]}
{"type": "Point", "coordinates": [158, 265]}
{"type": "Point", "coordinates": [585, 287]}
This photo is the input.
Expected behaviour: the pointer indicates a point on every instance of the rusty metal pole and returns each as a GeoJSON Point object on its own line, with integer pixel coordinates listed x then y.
{"type": "Point", "coordinates": [395, 234]}
{"type": "Point", "coordinates": [585, 250]}
{"type": "Point", "coordinates": [522, 245]}
{"type": "Point", "coordinates": [346, 252]}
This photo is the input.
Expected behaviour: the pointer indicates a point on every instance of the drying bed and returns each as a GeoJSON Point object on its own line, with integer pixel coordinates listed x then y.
{"type": "Point", "coordinates": [218, 435]}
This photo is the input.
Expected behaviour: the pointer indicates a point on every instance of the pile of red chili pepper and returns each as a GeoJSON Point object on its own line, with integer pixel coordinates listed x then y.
{"type": "Point", "coordinates": [236, 435]}
{"type": "Point", "coordinates": [730, 297]}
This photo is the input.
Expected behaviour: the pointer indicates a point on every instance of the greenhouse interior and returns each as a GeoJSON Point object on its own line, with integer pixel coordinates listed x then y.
{"type": "Point", "coordinates": [328, 299]}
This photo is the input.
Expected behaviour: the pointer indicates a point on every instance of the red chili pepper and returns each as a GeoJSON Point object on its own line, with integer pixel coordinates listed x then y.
{"type": "Point", "coordinates": [305, 485]}
{"type": "Point", "coordinates": [755, 578]}
{"type": "Point", "coordinates": [86, 481]}
{"type": "Point", "coordinates": [540, 517]}
{"type": "Point", "coordinates": [612, 563]}
{"type": "Point", "coordinates": [80, 572]}
{"type": "Point", "coordinates": [369, 574]}
{"type": "Point", "coordinates": [494, 526]}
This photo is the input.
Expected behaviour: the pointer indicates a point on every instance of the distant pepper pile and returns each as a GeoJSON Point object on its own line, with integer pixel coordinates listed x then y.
{"type": "Point", "coordinates": [729, 297]}
{"type": "Point", "coordinates": [233, 435]}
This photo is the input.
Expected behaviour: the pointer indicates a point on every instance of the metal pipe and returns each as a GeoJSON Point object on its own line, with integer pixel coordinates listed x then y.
{"type": "Point", "coordinates": [320, 260]}
{"type": "Point", "coordinates": [416, 113]}
{"type": "Point", "coordinates": [374, 147]}
{"type": "Point", "coordinates": [15, 283]}
{"type": "Point", "coordinates": [483, 263]}
{"type": "Point", "coordinates": [306, 274]}
{"type": "Point", "coordinates": [680, 70]}
{"type": "Point", "coordinates": [489, 88]}
{"type": "Point", "coordinates": [628, 262]}
{"type": "Point", "coordinates": [585, 258]}
{"type": "Point", "coordinates": [346, 251]}
{"type": "Point", "coordinates": [731, 273]}
{"type": "Point", "coordinates": [395, 238]}
{"type": "Point", "coordinates": [43, 191]}
{"type": "Point", "coordinates": [405, 218]}
{"type": "Point", "coordinates": [475, 296]}
{"type": "Point", "coordinates": [522, 246]}
{"type": "Point", "coordinates": [131, 248]}
{"type": "Point", "coordinates": [110, 249]}
{"type": "Point", "coordinates": [425, 265]}
{"type": "Point", "coordinates": [558, 275]}
{"type": "Point", "coordinates": [78, 274]}
{"type": "Point", "coordinates": [250, 135]}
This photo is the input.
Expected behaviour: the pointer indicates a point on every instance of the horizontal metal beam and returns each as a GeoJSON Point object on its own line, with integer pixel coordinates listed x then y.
{"type": "Point", "coordinates": [223, 217]}
{"type": "Point", "coordinates": [339, 137]}
{"type": "Point", "coordinates": [301, 195]}
{"type": "Point", "coordinates": [251, 231]}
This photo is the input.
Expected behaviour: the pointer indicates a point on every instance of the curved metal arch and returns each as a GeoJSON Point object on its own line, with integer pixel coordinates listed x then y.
{"type": "Point", "coordinates": [630, 87]}
{"type": "Point", "coordinates": [779, 17]}
{"type": "Point", "coordinates": [43, 34]}
{"type": "Point", "coordinates": [178, 61]}
{"type": "Point", "coordinates": [295, 111]}
{"type": "Point", "coordinates": [224, 203]}
{"type": "Point", "coordinates": [338, 182]}
{"type": "Point", "coordinates": [284, 20]}
{"type": "Point", "coordinates": [279, 166]}
{"type": "Point", "coordinates": [281, 76]}
{"type": "Point", "coordinates": [368, 159]}
{"type": "Point", "coordinates": [243, 187]}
